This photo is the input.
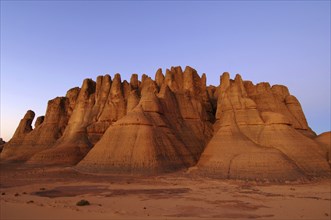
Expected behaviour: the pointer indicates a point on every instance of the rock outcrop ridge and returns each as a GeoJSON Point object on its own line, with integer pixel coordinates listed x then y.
{"type": "Point", "coordinates": [236, 130]}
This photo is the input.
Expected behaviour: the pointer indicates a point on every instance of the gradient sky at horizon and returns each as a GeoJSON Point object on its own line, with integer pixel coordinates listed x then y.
{"type": "Point", "coordinates": [49, 47]}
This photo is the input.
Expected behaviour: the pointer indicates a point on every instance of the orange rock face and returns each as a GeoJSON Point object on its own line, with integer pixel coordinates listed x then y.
{"type": "Point", "coordinates": [324, 140]}
{"type": "Point", "coordinates": [165, 129]}
{"type": "Point", "coordinates": [258, 135]}
{"type": "Point", "coordinates": [236, 130]}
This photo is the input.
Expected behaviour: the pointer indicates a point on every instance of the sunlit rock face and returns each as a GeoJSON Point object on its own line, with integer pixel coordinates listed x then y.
{"type": "Point", "coordinates": [235, 130]}
{"type": "Point", "coordinates": [261, 133]}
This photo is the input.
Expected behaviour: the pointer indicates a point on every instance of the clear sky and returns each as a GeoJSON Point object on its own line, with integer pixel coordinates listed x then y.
{"type": "Point", "coordinates": [48, 47]}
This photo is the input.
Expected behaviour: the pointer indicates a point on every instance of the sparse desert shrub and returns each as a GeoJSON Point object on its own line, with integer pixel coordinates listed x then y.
{"type": "Point", "coordinates": [83, 202]}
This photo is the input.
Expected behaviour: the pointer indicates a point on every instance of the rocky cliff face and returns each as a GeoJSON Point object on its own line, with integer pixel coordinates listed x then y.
{"type": "Point", "coordinates": [235, 130]}
{"type": "Point", "coordinates": [165, 128]}
{"type": "Point", "coordinates": [260, 132]}
{"type": "Point", "coordinates": [324, 140]}
{"type": "Point", "coordinates": [2, 143]}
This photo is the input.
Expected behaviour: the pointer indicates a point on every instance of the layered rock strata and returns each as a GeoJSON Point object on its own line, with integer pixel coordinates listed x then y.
{"type": "Point", "coordinates": [236, 130]}
{"type": "Point", "coordinates": [258, 135]}
{"type": "Point", "coordinates": [165, 129]}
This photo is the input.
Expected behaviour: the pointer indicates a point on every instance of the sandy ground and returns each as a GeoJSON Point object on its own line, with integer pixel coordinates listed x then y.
{"type": "Point", "coordinates": [52, 193]}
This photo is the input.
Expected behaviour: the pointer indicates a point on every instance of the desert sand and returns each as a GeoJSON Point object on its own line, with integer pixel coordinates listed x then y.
{"type": "Point", "coordinates": [52, 193]}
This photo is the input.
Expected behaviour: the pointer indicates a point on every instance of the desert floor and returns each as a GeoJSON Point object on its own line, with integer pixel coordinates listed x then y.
{"type": "Point", "coordinates": [52, 193]}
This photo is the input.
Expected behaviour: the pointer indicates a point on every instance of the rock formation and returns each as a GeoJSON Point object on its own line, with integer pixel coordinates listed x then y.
{"type": "Point", "coordinates": [2, 143]}
{"type": "Point", "coordinates": [324, 140]}
{"type": "Point", "coordinates": [259, 135]}
{"type": "Point", "coordinates": [236, 130]}
{"type": "Point", "coordinates": [27, 141]}
{"type": "Point", "coordinates": [166, 128]}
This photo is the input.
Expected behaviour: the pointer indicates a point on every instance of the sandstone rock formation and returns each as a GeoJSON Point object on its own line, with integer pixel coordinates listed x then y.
{"type": "Point", "coordinates": [258, 135]}
{"type": "Point", "coordinates": [27, 141]}
{"type": "Point", "coordinates": [235, 130]}
{"type": "Point", "coordinates": [166, 128]}
{"type": "Point", "coordinates": [2, 143]}
{"type": "Point", "coordinates": [324, 140]}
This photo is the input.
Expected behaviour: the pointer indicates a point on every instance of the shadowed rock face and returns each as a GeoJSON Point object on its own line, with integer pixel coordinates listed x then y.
{"type": "Point", "coordinates": [2, 143]}
{"type": "Point", "coordinates": [236, 130]}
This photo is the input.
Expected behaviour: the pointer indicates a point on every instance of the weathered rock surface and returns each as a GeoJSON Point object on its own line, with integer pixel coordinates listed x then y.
{"type": "Point", "coordinates": [163, 132]}
{"type": "Point", "coordinates": [324, 140]}
{"type": "Point", "coordinates": [236, 130]}
{"type": "Point", "coordinates": [27, 141]}
{"type": "Point", "coordinates": [257, 135]}
{"type": "Point", "coordinates": [2, 143]}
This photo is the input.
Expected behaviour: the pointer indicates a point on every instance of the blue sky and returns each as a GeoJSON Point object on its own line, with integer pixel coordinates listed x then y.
{"type": "Point", "coordinates": [48, 47]}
